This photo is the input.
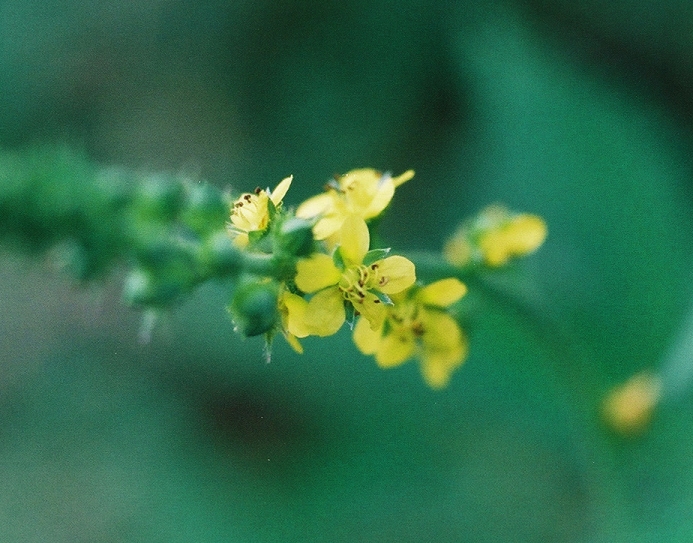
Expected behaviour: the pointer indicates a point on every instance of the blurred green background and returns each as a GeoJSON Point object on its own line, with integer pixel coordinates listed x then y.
{"type": "Point", "coordinates": [581, 112]}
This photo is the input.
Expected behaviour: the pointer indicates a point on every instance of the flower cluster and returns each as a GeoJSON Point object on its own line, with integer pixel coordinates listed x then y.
{"type": "Point", "coordinates": [312, 270]}
{"type": "Point", "coordinates": [494, 237]}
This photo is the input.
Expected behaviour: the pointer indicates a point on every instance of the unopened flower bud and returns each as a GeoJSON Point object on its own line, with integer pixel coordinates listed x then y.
{"type": "Point", "coordinates": [205, 209]}
{"type": "Point", "coordinates": [254, 307]}
{"type": "Point", "coordinates": [159, 197]}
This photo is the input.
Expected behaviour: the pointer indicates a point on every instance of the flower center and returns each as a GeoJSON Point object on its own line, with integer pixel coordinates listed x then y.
{"type": "Point", "coordinates": [355, 283]}
{"type": "Point", "coordinates": [405, 319]}
{"type": "Point", "coordinates": [250, 211]}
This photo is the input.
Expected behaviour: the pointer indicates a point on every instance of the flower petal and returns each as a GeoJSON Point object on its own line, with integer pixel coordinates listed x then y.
{"type": "Point", "coordinates": [442, 293]}
{"type": "Point", "coordinates": [328, 226]}
{"type": "Point", "coordinates": [372, 309]}
{"type": "Point", "coordinates": [441, 331]}
{"type": "Point", "coordinates": [325, 312]}
{"type": "Point", "coordinates": [316, 272]}
{"type": "Point", "coordinates": [395, 273]}
{"type": "Point", "coordinates": [359, 188]}
{"type": "Point", "coordinates": [380, 199]}
{"type": "Point", "coordinates": [315, 206]}
{"type": "Point", "coordinates": [437, 366]}
{"type": "Point", "coordinates": [354, 239]}
{"type": "Point", "coordinates": [403, 178]}
{"type": "Point", "coordinates": [458, 250]}
{"type": "Point", "coordinates": [527, 234]}
{"type": "Point", "coordinates": [394, 349]}
{"type": "Point", "coordinates": [445, 347]}
{"type": "Point", "coordinates": [280, 190]}
{"type": "Point", "coordinates": [366, 339]}
{"type": "Point", "coordinates": [293, 342]}
{"type": "Point", "coordinates": [295, 320]}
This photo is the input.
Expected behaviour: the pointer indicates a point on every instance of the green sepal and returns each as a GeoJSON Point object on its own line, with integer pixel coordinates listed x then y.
{"type": "Point", "coordinates": [384, 298]}
{"type": "Point", "coordinates": [374, 255]}
{"type": "Point", "coordinates": [271, 210]}
{"type": "Point", "coordinates": [350, 314]}
{"type": "Point", "coordinates": [255, 236]}
{"type": "Point", "coordinates": [338, 259]}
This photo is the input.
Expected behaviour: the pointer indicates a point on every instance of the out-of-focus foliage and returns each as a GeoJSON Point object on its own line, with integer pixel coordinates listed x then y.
{"type": "Point", "coordinates": [580, 113]}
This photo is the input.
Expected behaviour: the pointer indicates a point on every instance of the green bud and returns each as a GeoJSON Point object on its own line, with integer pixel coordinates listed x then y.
{"type": "Point", "coordinates": [295, 237]}
{"type": "Point", "coordinates": [205, 209]}
{"type": "Point", "coordinates": [220, 256]}
{"type": "Point", "coordinates": [159, 197]}
{"type": "Point", "coordinates": [167, 251]}
{"type": "Point", "coordinates": [254, 307]}
{"type": "Point", "coordinates": [144, 287]}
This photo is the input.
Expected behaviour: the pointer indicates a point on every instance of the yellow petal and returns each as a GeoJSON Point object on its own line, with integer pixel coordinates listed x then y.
{"type": "Point", "coordinates": [354, 239]}
{"type": "Point", "coordinates": [316, 272]}
{"type": "Point", "coordinates": [380, 199]}
{"type": "Point", "coordinates": [366, 339]}
{"type": "Point", "coordinates": [293, 342]}
{"type": "Point", "coordinates": [325, 312]}
{"type": "Point", "coordinates": [328, 227]}
{"type": "Point", "coordinates": [527, 233]}
{"type": "Point", "coordinates": [359, 187]}
{"type": "Point", "coordinates": [315, 206]}
{"type": "Point", "coordinates": [445, 347]}
{"type": "Point", "coordinates": [280, 190]}
{"type": "Point", "coordinates": [441, 331]}
{"type": "Point", "coordinates": [395, 273]}
{"type": "Point", "coordinates": [394, 349]}
{"type": "Point", "coordinates": [521, 235]}
{"type": "Point", "coordinates": [403, 178]}
{"type": "Point", "coordinates": [629, 407]}
{"type": "Point", "coordinates": [442, 293]}
{"type": "Point", "coordinates": [295, 320]}
{"type": "Point", "coordinates": [436, 366]}
{"type": "Point", "coordinates": [494, 245]}
{"type": "Point", "coordinates": [372, 309]}
{"type": "Point", "coordinates": [457, 250]}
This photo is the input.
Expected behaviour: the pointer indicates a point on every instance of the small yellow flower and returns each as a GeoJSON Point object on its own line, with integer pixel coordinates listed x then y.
{"type": "Point", "coordinates": [494, 237]}
{"type": "Point", "coordinates": [364, 286]}
{"type": "Point", "coordinates": [417, 325]}
{"type": "Point", "coordinates": [363, 192]}
{"type": "Point", "coordinates": [253, 212]}
{"type": "Point", "coordinates": [628, 408]}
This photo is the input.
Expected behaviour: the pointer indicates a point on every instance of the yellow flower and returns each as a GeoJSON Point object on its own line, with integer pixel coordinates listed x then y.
{"type": "Point", "coordinates": [628, 408]}
{"type": "Point", "coordinates": [292, 310]}
{"type": "Point", "coordinates": [363, 192]}
{"type": "Point", "coordinates": [253, 212]}
{"type": "Point", "coordinates": [417, 325]}
{"type": "Point", "coordinates": [494, 237]}
{"type": "Point", "coordinates": [356, 282]}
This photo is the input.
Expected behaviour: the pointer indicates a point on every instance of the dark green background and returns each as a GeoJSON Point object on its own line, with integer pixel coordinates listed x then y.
{"type": "Point", "coordinates": [581, 112]}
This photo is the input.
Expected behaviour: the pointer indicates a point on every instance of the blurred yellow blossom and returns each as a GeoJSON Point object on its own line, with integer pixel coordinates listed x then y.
{"type": "Point", "coordinates": [495, 236]}
{"type": "Point", "coordinates": [363, 192]}
{"type": "Point", "coordinates": [628, 408]}
{"type": "Point", "coordinates": [253, 212]}
{"type": "Point", "coordinates": [364, 285]}
{"type": "Point", "coordinates": [417, 325]}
